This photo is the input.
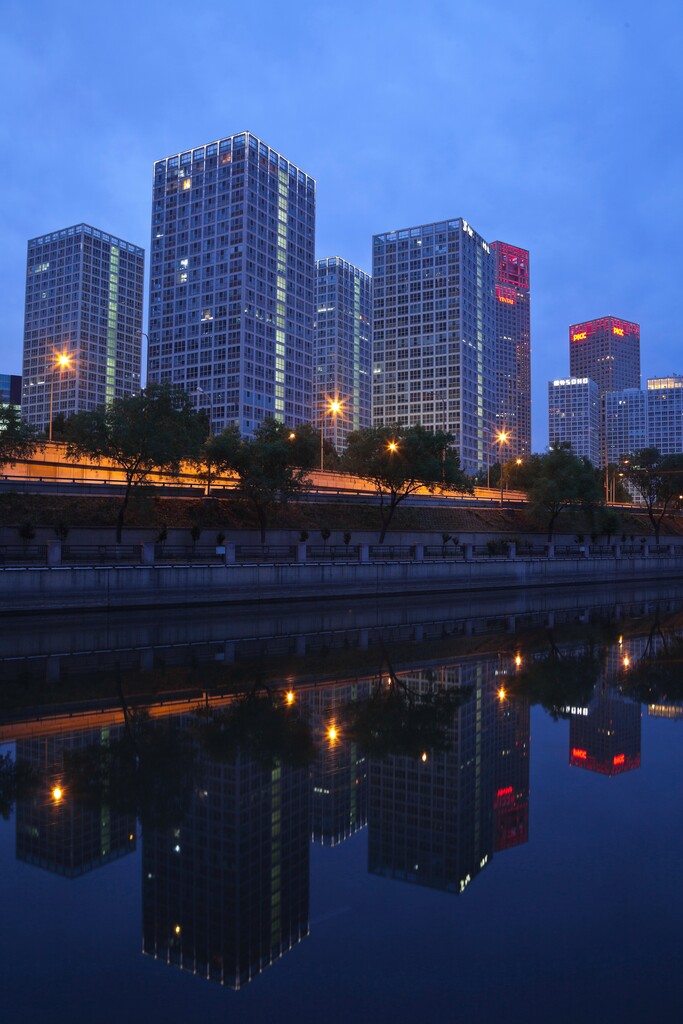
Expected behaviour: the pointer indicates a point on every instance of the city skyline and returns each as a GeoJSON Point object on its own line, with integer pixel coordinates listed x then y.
{"type": "Point", "coordinates": [553, 180]}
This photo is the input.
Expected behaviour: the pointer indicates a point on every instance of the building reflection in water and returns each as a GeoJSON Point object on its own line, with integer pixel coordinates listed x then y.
{"type": "Point", "coordinates": [430, 818]}
{"type": "Point", "coordinates": [56, 831]}
{"type": "Point", "coordinates": [511, 788]}
{"type": "Point", "coordinates": [227, 892]}
{"type": "Point", "coordinates": [339, 776]}
{"type": "Point", "coordinates": [605, 736]}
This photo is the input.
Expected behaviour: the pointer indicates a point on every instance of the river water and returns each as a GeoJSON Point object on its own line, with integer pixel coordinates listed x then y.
{"type": "Point", "coordinates": [461, 810]}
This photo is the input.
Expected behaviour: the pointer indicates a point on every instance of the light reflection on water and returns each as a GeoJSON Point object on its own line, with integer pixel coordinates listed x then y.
{"type": "Point", "coordinates": [439, 812]}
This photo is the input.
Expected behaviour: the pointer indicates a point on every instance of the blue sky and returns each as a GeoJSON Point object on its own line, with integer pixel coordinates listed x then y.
{"type": "Point", "coordinates": [556, 127]}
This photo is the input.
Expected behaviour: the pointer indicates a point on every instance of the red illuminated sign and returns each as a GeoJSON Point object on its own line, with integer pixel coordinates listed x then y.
{"type": "Point", "coordinates": [580, 755]}
{"type": "Point", "coordinates": [506, 295]}
{"type": "Point", "coordinates": [579, 337]}
{"type": "Point", "coordinates": [619, 758]}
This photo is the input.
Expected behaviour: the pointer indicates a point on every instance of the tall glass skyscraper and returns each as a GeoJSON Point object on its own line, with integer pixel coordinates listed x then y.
{"type": "Point", "coordinates": [343, 349]}
{"type": "Point", "coordinates": [232, 281]}
{"type": "Point", "coordinates": [434, 330]}
{"type": "Point", "coordinates": [513, 348]}
{"type": "Point", "coordinates": [84, 292]}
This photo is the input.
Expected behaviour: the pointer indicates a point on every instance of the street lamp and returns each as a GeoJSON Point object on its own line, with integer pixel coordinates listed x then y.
{"type": "Point", "coordinates": [503, 438]}
{"type": "Point", "coordinates": [62, 362]}
{"type": "Point", "coordinates": [333, 409]}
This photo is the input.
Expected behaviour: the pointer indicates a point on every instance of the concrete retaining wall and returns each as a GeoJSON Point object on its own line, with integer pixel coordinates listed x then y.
{"type": "Point", "coordinates": [59, 588]}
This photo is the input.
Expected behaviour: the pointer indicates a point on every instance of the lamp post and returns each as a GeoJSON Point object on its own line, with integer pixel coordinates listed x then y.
{"type": "Point", "coordinates": [502, 439]}
{"type": "Point", "coordinates": [62, 362]}
{"type": "Point", "coordinates": [333, 408]}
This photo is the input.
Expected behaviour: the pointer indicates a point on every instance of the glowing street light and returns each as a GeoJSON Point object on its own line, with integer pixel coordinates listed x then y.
{"type": "Point", "coordinates": [62, 362]}
{"type": "Point", "coordinates": [333, 409]}
{"type": "Point", "coordinates": [501, 693]}
{"type": "Point", "coordinates": [332, 733]}
{"type": "Point", "coordinates": [289, 696]}
{"type": "Point", "coordinates": [392, 446]}
{"type": "Point", "coordinates": [57, 794]}
{"type": "Point", "coordinates": [502, 438]}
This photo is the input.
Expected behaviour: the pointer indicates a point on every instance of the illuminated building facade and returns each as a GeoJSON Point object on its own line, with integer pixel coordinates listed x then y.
{"type": "Point", "coordinates": [434, 331]}
{"type": "Point", "coordinates": [606, 350]}
{"type": "Point", "coordinates": [343, 349]}
{"type": "Point", "coordinates": [84, 291]}
{"type": "Point", "coordinates": [56, 831]}
{"type": "Point", "coordinates": [232, 282]}
{"type": "Point", "coordinates": [226, 892]}
{"type": "Point", "coordinates": [513, 348]}
{"type": "Point", "coordinates": [574, 416]}
{"type": "Point", "coordinates": [10, 390]}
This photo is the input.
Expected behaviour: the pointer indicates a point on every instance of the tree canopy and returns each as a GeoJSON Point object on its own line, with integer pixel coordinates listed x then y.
{"type": "Point", "coordinates": [267, 466]}
{"type": "Point", "coordinates": [558, 480]}
{"type": "Point", "coordinates": [18, 439]}
{"type": "Point", "coordinates": [156, 429]}
{"type": "Point", "coordinates": [402, 460]}
{"type": "Point", "coordinates": [658, 480]}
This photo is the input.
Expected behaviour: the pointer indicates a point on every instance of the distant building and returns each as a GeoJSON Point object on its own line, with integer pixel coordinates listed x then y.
{"type": "Point", "coordinates": [434, 334]}
{"type": "Point", "coordinates": [573, 416]}
{"type": "Point", "coordinates": [513, 349]}
{"type": "Point", "coordinates": [10, 390]}
{"type": "Point", "coordinates": [84, 291]}
{"type": "Point", "coordinates": [607, 351]}
{"type": "Point", "coordinates": [646, 419]}
{"type": "Point", "coordinates": [626, 419]}
{"type": "Point", "coordinates": [665, 414]}
{"type": "Point", "coordinates": [343, 350]}
{"type": "Point", "coordinates": [232, 282]}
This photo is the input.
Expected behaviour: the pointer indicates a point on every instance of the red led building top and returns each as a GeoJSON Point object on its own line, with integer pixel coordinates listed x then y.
{"type": "Point", "coordinates": [512, 265]}
{"type": "Point", "coordinates": [606, 324]}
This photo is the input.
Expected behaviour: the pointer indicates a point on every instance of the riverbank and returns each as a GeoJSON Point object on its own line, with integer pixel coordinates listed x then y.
{"type": "Point", "coordinates": [58, 588]}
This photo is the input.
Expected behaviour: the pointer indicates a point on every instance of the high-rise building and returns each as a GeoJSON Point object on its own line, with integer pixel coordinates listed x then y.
{"type": "Point", "coordinates": [513, 349]}
{"type": "Point", "coordinates": [434, 330]}
{"type": "Point", "coordinates": [232, 281]}
{"type": "Point", "coordinates": [626, 422]}
{"type": "Point", "coordinates": [665, 414]}
{"type": "Point", "coordinates": [343, 350]}
{"type": "Point", "coordinates": [607, 351]}
{"type": "Point", "coordinates": [645, 419]}
{"type": "Point", "coordinates": [573, 416]}
{"type": "Point", "coordinates": [84, 291]}
{"type": "Point", "coordinates": [10, 390]}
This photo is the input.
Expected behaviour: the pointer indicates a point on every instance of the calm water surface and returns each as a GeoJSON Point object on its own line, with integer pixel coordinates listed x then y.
{"type": "Point", "coordinates": [492, 834]}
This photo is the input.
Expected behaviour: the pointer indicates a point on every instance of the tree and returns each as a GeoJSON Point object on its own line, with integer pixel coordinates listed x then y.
{"type": "Point", "coordinates": [156, 429]}
{"type": "Point", "coordinates": [265, 466]}
{"type": "Point", "coordinates": [658, 480]}
{"type": "Point", "coordinates": [556, 481]}
{"type": "Point", "coordinates": [18, 439]}
{"type": "Point", "coordinates": [402, 460]}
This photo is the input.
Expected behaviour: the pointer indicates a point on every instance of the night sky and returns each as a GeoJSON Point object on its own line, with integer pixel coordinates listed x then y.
{"type": "Point", "coordinates": [555, 127]}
